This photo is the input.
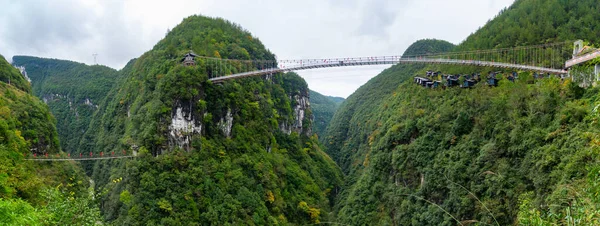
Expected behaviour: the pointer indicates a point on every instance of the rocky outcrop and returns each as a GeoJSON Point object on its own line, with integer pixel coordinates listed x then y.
{"type": "Point", "coordinates": [52, 97]}
{"type": "Point", "coordinates": [24, 73]}
{"type": "Point", "coordinates": [226, 123]}
{"type": "Point", "coordinates": [300, 108]}
{"type": "Point", "coordinates": [183, 126]}
{"type": "Point", "coordinates": [88, 102]}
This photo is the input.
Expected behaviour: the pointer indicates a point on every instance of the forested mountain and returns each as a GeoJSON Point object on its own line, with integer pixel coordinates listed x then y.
{"type": "Point", "coordinates": [72, 90]}
{"type": "Point", "coordinates": [239, 152]}
{"type": "Point", "coordinates": [516, 154]}
{"type": "Point", "coordinates": [532, 22]}
{"type": "Point", "coordinates": [10, 75]}
{"type": "Point", "coordinates": [244, 152]}
{"type": "Point", "coordinates": [428, 46]}
{"type": "Point", "coordinates": [337, 100]}
{"type": "Point", "coordinates": [323, 108]}
{"type": "Point", "coordinates": [32, 193]}
{"type": "Point", "coordinates": [350, 122]}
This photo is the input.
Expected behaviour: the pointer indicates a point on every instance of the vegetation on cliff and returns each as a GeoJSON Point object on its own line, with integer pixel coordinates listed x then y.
{"type": "Point", "coordinates": [33, 193]}
{"type": "Point", "coordinates": [71, 90]}
{"type": "Point", "coordinates": [245, 156]}
{"type": "Point", "coordinates": [519, 153]}
{"type": "Point", "coordinates": [323, 108]}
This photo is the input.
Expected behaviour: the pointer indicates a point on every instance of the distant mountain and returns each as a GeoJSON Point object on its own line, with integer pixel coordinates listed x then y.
{"type": "Point", "coordinates": [72, 90]}
{"type": "Point", "coordinates": [362, 103]}
{"type": "Point", "coordinates": [336, 100]}
{"type": "Point", "coordinates": [428, 46]}
{"type": "Point", "coordinates": [323, 109]}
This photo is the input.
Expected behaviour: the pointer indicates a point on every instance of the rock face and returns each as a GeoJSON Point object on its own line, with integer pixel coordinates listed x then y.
{"type": "Point", "coordinates": [183, 126]}
{"type": "Point", "coordinates": [88, 102]}
{"type": "Point", "coordinates": [23, 72]}
{"type": "Point", "coordinates": [301, 107]}
{"type": "Point", "coordinates": [226, 123]}
{"type": "Point", "coordinates": [52, 97]}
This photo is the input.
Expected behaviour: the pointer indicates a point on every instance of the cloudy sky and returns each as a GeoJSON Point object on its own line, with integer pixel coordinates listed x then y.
{"type": "Point", "coordinates": [119, 30]}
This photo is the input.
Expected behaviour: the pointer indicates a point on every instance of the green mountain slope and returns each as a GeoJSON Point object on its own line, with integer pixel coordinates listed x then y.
{"type": "Point", "coordinates": [351, 122]}
{"type": "Point", "coordinates": [34, 193]}
{"type": "Point", "coordinates": [240, 152]}
{"type": "Point", "coordinates": [323, 108]}
{"type": "Point", "coordinates": [531, 22]}
{"type": "Point", "coordinates": [72, 90]}
{"type": "Point", "coordinates": [516, 153]}
{"type": "Point", "coordinates": [24, 113]}
{"type": "Point", "coordinates": [427, 46]}
{"type": "Point", "coordinates": [337, 100]}
{"type": "Point", "coordinates": [10, 75]}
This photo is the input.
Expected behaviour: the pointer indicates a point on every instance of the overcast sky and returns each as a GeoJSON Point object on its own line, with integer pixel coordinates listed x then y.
{"type": "Point", "coordinates": [119, 30]}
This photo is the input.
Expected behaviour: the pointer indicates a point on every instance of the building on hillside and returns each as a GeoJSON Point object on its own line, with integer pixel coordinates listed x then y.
{"type": "Point", "coordinates": [189, 59]}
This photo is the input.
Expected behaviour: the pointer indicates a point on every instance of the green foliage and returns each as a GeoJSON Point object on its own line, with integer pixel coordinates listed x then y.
{"type": "Point", "coordinates": [351, 121]}
{"type": "Point", "coordinates": [67, 209]}
{"type": "Point", "coordinates": [574, 203]}
{"type": "Point", "coordinates": [323, 108]}
{"type": "Point", "coordinates": [416, 156]}
{"type": "Point", "coordinates": [71, 90]}
{"type": "Point", "coordinates": [457, 136]}
{"type": "Point", "coordinates": [10, 74]}
{"type": "Point", "coordinates": [29, 191]}
{"type": "Point", "coordinates": [428, 46]}
{"type": "Point", "coordinates": [584, 74]}
{"type": "Point", "coordinates": [18, 212]}
{"type": "Point", "coordinates": [530, 22]}
{"type": "Point", "coordinates": [25, 118]}
{"type": "Point", "coordinates": [256, 174]}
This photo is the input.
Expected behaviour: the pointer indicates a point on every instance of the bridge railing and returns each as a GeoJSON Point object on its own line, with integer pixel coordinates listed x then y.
{"type": "Point", "coordinates": [78, 157]}
{"type": "Point", "coordinates": [582, 59]}
{"type": "Point", "coordinates": [547, 58]}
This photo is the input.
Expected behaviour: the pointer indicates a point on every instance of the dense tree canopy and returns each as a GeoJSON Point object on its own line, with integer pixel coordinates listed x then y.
{"type": "Point", "coordinates": [11, 75]}
{"type": "Point", "coordinates": [260, 172]}
{"type": "Point", "coordinates": [533, 22]}
{"type": "Point", "coordinates": [518, 153]}
{"type": "Point", "coordinates": [428, 46]}
{"type": "Point", "coordinates": [323, 108]}
{"type": "Point", "coordinates": [32, 193]}
{"type": "Point", "coordinates": [71, 90]}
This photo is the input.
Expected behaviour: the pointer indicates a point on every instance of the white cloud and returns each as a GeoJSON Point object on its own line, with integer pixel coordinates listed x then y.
{"type": "Point", "coordinates": [121, 30]}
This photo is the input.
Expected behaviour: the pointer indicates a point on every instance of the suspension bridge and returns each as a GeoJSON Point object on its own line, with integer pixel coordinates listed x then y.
{"type": "Point", "coordinates": [81, 157]}
{"type": "Point", "coordinates": [553, 58]}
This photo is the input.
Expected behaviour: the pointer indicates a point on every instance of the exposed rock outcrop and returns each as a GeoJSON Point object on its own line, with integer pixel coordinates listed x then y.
{"type": "Point", "coordinates": [183, 126]}
{"type": "Point", "coordinates": [226, 123]}
{"type": "Point", "coordinates": [301, 105]}
{"type": "Point", "coordinates": [23, 72]}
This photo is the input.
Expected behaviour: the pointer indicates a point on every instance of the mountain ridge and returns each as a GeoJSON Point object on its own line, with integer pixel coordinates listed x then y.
{"type": "Point", "coordinates": [406, 147]}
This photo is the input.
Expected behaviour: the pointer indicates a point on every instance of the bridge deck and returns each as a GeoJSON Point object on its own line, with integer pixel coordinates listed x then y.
{"type": "Point", "coordinates": [383, 60]}
{"type": "Point", "coordinates": [77, 159]}
{"type": "Point", "coordinates": [582, 59]}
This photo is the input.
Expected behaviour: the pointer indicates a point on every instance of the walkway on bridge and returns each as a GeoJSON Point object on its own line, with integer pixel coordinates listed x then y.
{"type": "Point", "coordinates": [546, 58]}
{"type": "Point", "coordinates": [81, 157]}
